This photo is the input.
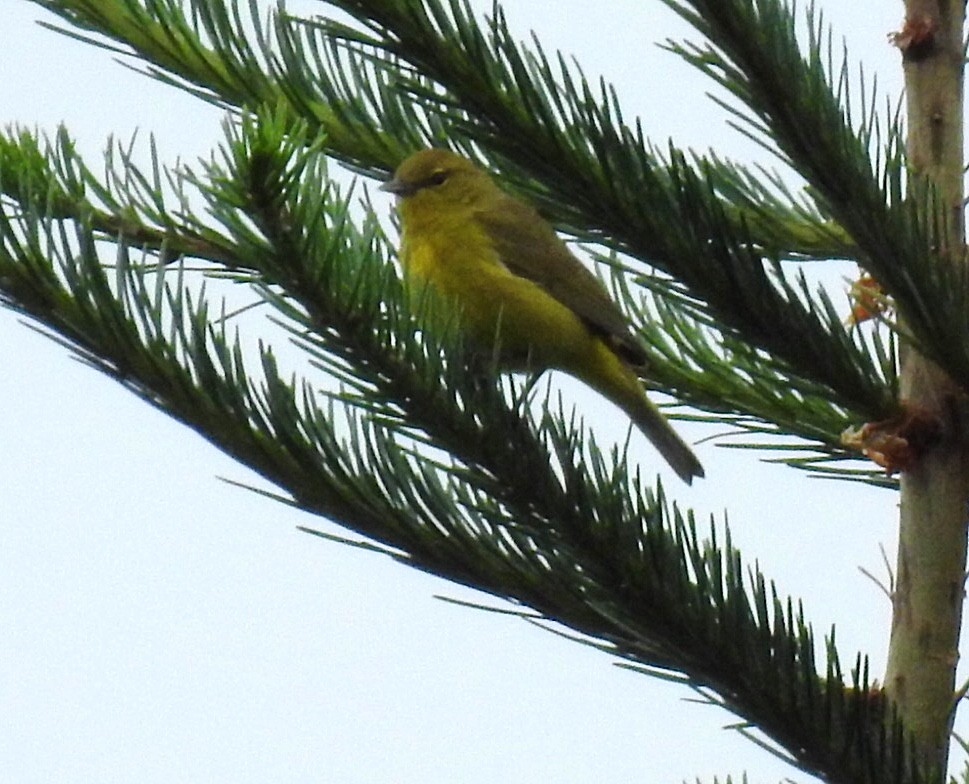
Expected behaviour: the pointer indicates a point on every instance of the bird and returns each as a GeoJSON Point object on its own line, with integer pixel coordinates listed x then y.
{"type": "Point", "coordinates": [522, 296]}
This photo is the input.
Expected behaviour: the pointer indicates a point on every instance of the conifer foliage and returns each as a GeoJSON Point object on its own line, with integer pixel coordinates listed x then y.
{"type": "Point", "coordinates": [456, 472]}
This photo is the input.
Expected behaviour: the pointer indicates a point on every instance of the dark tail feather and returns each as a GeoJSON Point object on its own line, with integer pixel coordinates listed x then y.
{"type": "Point", "coordinates": [673, 449]}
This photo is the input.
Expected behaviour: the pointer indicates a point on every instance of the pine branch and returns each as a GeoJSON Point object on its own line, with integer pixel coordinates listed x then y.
{"type": "Point", "coordinates": [760, 401]}
{"type": "Point", "coordinates": [758, 302]}
{"type": "Point", "coordinates": [782, 329]}
{"type": "Point", "coordinates": [222, 54]}
{"type": "Point", "coordinates": [795, 106]}
{"type": "Point", "coordinates": [741, 386]}
{"type": "Point", "coordinates": [530, 511]}
{"type": "Point", "coordinates": [599, 173]}
{"type": "Point", "coordinates": [452, 474]}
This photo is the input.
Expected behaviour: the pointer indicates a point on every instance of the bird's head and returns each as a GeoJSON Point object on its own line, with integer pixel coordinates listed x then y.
{"type": "Point", "coordinates": [436, 177]}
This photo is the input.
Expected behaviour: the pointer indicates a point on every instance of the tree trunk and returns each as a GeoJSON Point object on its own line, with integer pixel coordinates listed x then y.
{"type": "Point", "coordinates": [928, 596]}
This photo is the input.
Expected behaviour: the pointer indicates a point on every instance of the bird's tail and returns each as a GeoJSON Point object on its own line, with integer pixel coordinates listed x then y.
{"type": "Point", "coordinates": [668, 443]}
{"type": "Point", "coordinates": [617, 381]}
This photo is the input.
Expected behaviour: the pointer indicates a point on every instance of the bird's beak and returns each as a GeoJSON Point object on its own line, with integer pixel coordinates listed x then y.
{"type": "Point", "coordinates": [398, 187]}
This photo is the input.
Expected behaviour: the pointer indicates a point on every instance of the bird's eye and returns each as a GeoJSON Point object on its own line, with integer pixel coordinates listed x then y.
{"type": "Point", "coordinates": [437, 178]}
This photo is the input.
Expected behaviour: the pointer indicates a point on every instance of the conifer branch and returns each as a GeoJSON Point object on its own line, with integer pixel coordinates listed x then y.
{"type": "Point", "coordinates": [552, 126]}
{"type": "Point", "coordinates": [598, 177]}
{"type": "Point", "coordinates": [680, 198]}
{"type": "Point", "coordinates": [449, 471]}
{"type": "Point", "coordinates": [796, 106]}
{"type": "Point", "coordinates": [530, 511]}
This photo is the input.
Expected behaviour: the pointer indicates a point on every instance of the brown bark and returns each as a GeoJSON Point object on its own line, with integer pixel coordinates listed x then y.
{"type": "Point", "coordinates": [928, 597]}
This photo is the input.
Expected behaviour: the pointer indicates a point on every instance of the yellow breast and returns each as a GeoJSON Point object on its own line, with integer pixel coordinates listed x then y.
{"type": "Point", "coordinates": [458, 261]}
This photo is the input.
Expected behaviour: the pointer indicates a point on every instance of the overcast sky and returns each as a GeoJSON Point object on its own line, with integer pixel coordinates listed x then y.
{"type": "Point", "coordinates": [162, 626]}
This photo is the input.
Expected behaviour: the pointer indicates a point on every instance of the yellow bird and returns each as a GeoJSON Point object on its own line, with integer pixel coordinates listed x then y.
{"type": "Point", "coordinates": [520, 288]}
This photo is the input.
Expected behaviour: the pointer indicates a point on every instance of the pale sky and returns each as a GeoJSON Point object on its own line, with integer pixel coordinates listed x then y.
{"type": "Point", "coordinates": [162, 626]}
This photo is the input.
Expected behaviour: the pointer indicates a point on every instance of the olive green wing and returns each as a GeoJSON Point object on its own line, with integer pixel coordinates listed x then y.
{"type": "Point", "coordinates": [529, 247]}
